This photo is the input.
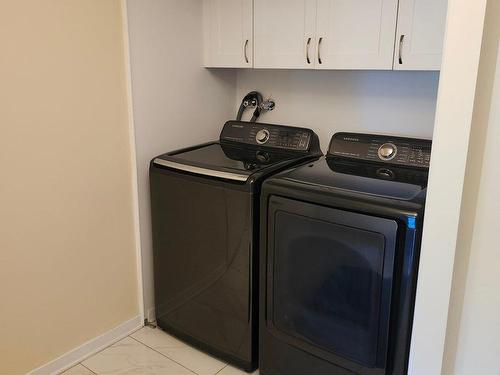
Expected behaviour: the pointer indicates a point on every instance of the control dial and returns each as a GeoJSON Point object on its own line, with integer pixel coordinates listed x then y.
{"type": "Point", "coordinates": [385, 174]}
{"type": "Point", "coordinates": [387, 151]}
{"type": "Point", "coordinates": [263, 157]}
{"type": "Point", "coordinates": [262, 136]}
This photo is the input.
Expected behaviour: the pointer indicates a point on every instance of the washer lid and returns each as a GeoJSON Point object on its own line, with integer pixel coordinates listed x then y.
{"type": "Point", "coordinates": [225, 161]}
{"type": "Point", "coordinates": [362, 178]}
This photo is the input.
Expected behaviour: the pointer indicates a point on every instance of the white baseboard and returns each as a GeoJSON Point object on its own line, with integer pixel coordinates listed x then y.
{"type": "Point", "coordinates": [91, 347]}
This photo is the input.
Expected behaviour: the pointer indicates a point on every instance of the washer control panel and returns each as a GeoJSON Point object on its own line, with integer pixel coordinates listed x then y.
{"type": "Point", "coordinates": [408, 152]}
{"type": "Point", "coordinates": [267, 135]}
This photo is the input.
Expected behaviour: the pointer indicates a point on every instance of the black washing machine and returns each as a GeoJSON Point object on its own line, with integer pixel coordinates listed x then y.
{"type": "Point", "coordinates": [340, 242]}
{"type": "Point", "coordinates": [205, 220]}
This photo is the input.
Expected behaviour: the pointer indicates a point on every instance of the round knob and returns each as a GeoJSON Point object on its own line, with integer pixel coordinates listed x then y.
{"type": "Point", "coordinates": [263, 157]}
{"type": "Point", "coordinates": [385, 174]}
{"type": "Point", "coordinates": [262, 136]}
{"type": "Point", "coordinates": [387, 151]}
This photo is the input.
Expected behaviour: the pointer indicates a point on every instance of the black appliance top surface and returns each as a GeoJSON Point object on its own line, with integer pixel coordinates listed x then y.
{"type": "Point", "coordinates": [243, 150]}
{"type": "Point", "coordinates": [376, 165]}
{"type": "Point", "coordinates": [361, 178]}
{"type": "Point", "coordinates": [245, 160]}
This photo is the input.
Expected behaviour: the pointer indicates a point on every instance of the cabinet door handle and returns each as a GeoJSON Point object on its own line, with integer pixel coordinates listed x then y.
{"type": "Point", "coordinates": [245, 50]}
{"type": "Point", "coordinates": [307, 50]}
{"type": "Point", "coordinates": [319, 50]}
{"type": "Point", "coordinates": [401, 42]}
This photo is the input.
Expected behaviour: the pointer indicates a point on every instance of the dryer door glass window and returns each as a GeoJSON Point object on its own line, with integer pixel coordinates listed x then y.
{"type": "Point", "coordinates": [331, 281]}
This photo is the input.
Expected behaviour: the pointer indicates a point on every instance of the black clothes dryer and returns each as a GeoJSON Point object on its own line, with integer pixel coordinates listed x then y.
{"type": "Point", "coordinates": [340, 244]}
{"type": "Point", "coordinates": [205, 220]}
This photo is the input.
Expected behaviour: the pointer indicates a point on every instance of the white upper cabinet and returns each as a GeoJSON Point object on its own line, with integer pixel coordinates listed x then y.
{"type": "Point", "coordinates": [420, 34]}
{"type": "Point", "coordinates": [285, 34]}
{"type": "Point", "coordinates": [325, 34]}
{"type": "Point", "coordinates": [356, 34]}
{"type": "Point", "coordinates": [228, 28]}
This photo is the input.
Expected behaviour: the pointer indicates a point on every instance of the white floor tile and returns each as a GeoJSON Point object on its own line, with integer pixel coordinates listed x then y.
{"type": "Point", "coordinates": [229, 370]}
{"type": "Point", "coordinates": [131, 357]}
{"type": "Point", "coordinates": [197, 361]}
{"type": "Point", "coordinates": [78, 370]}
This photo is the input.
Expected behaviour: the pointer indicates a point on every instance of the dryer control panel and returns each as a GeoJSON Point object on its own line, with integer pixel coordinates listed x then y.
{"type": "Point", "coordinates": [267, 135]}
{"type": "Point", "coordinates": [401, 151]}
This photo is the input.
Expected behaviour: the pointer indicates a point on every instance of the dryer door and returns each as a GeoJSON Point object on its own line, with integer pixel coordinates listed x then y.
{"type": "Point", "coordinates": [329, 282]}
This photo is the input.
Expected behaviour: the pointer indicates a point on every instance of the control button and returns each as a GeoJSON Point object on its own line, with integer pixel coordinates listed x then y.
{"type": "Point", "coordinates": [387, 151]}
{"type": "Point", "coordinates": [263, 157]}
{"type": "Point", "coordinates": [262, 136]}
{"type": "Point", "coordinates": [385, 174]}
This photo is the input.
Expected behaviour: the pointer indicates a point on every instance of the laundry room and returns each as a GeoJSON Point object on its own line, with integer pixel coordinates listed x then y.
{"type": "Point", "coordinates": [363, 99]}
{"type": "Point", "coordinates": [273, 187]}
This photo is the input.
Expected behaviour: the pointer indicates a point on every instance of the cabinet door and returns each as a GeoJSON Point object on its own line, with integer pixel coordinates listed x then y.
{"type": "Point", "coordinates": [420, 35]}
{"type": "Point", "coordinates": [228, 33]}
{"type": "Point", "coordinates": [356, 34]}
{"type": "Point", "coordinates": [285, 33]}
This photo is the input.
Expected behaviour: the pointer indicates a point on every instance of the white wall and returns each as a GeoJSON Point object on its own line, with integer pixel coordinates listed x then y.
{"type": "Point", "coordinates": [458, 78]}
{"type": "Point", "coordinates": [472, 345]}
{"type": "Point", "coordinates": [176, 102]}
{"type": "Point", "coordinates": [400, 103]}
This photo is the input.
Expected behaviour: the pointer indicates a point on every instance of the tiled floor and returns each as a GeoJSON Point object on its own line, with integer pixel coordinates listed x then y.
{"type": "Point", "coordinates": [150, 351]}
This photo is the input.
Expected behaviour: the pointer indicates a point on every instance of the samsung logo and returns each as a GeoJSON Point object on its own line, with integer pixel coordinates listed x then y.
{"type": "Point", "coordinates": [351, 139]}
